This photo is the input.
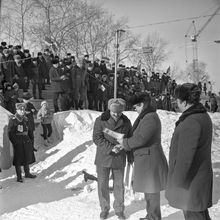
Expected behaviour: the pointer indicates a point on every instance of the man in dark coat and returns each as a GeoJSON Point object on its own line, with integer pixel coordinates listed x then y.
{"type": "Point", "coordinates": [42, 68]}
{"type": "Point", "coordinates": [150, 164]}
{"type": "Point", "coordinates": [20, 135]}
{"type": "Point", "coordinates": [30, 111]}
{"type": "Point", "coordinates": [190, 174]}
{"type": "Point", "coordinates": [56, 76]}
{"type": "Point", "coordinates": [107, 160]}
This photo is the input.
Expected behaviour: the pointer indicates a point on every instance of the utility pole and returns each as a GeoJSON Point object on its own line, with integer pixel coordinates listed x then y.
{"type": "Point", "coordinates": [117, 34]}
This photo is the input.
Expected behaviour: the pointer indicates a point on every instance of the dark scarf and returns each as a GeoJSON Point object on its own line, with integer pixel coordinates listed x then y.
{"type": "Point", "coordinates": [194, 109]}
{"type": "Point", "coordinates": [145, 111]}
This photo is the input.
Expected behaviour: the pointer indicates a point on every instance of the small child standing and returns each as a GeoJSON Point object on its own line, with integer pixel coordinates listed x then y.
{"type": "Point", "coordinates": [45, 115]}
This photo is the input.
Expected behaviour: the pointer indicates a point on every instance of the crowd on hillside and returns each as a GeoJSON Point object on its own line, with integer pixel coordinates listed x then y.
{"type": "Point", "coordinates": [80, 83]}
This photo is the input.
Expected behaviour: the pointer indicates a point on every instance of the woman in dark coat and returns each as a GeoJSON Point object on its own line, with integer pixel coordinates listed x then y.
{"type": "Point", "coordinates": [150, 164]}
{"type": "Point", "coordinates": [20, 135]}
{"type": "Point", "coordinates": [190, 169]}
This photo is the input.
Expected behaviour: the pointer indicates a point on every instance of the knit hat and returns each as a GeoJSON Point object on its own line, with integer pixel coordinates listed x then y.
{"type": "Point", "coordinates": [43, 103]}
{"type": "Point", "coordinates": [116, 105]}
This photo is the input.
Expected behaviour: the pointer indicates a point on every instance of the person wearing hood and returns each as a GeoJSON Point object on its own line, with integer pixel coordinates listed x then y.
{"type": "Point", "coordinates": [190, 177]}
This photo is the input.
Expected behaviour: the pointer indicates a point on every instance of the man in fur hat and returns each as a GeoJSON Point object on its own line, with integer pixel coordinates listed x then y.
{"type": "Point", "coordinates": [108, 160]}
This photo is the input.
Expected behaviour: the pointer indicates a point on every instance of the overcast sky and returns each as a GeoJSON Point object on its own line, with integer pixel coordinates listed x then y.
{"type": "Point", "coordinates": [144, 12]}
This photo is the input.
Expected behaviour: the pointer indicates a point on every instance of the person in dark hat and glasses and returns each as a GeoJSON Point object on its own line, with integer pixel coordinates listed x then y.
{"type": "Point", "coordinates": [108, 160]}
{"type": "Point", "coordinates": [150, 164]}
{"type": "Point", "coordinates": [190, 177]}
{"type": "Point", "coordinates": [20, 135]}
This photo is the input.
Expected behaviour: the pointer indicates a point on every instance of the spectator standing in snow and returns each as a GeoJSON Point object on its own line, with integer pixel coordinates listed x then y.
{"type": "Point", "coordinates": [20, 135]}
{"type": "Point", "coordinates": [30, 111]}
{"type": "Point", "coordinates": [45, 115]}
{"type": "Point", "coordinates": [107, 160]}
{"type": "Point", "coordinates": [209, 88]}
{"type": "Point", "coordinates": [190, 177]}
{"type": "Point", "coordinates": [150, 164]}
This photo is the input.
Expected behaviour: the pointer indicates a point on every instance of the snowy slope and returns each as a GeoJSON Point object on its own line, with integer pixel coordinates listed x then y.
{"type": "Point", "coordinates": [60, 192]}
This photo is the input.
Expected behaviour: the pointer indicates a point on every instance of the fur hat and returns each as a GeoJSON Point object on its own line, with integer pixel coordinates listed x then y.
{"type": "Point", "coordinates": [26, 96]}
{"type": "Point", "coordinates": [20, 106]}
{"type": "Point", "coordinates": [139, 98]}
{"type": "Point", "coordinates": [116, 105]}
{"type": "Point", "coordinates": [55, 61]}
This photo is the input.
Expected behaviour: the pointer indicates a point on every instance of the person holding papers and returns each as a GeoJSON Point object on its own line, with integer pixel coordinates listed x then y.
{"type": "Point", "coordinates": [150, 164]}
{"type": "Point", "coordinates": [109, 158]}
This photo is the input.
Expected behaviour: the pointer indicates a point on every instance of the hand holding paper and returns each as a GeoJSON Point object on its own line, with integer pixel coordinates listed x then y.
{"type": "Point", "coordinates": [117, 148]}
{"type": "Point", "coordinates": [113, 134]}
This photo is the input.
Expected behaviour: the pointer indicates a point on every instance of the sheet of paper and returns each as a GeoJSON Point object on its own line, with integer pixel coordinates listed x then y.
{"type": "Point", "coordinates": [113, 134]}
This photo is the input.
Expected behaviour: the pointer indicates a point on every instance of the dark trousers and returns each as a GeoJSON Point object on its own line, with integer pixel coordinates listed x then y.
{"type": "Point", "coordinates": [55, 101]}
{"type": "Point", "coordinates": [47, 130]}
{"type": "Point", "coordinates": [18, 171]}
{"type": "Point", "coordinates": [118, 188]}
{"type": "Point", "coordinates": [153, 205]}
{"type": "Point", "coordinates": [35, 86]}
{"type": "Point", "coordinates": [203, 215]}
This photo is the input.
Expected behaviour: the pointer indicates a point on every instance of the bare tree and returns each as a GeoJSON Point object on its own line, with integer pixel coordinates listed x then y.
{"type": "Point", "coordinates": [153, 60]}
{"type": "Point", "coordinates": [201, 75]}
{"type": "Point", "coordinates": [17, 12]}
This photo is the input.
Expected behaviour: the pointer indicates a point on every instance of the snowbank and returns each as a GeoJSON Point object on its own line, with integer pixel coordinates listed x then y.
{"type": "Point", "coordinates": [60, 192]}
{"type": "Point", "coordinates": [5, 145]}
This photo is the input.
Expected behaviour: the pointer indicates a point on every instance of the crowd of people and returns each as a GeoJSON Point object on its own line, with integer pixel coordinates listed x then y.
{"type": "Point", "coordinates": [83, 84]}
{"type": "Point", "coordinates": [77, 83]}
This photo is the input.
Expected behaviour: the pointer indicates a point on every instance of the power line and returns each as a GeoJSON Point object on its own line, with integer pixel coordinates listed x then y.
{"type": "Point", "coordinates": [169, 21]}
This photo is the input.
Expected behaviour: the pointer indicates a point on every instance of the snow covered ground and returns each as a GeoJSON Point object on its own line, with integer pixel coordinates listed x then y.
{"type": "Point", "coordinates": [60, 192]}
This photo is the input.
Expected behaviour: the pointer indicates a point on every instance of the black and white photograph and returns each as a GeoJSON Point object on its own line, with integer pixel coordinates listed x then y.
{"type": "Point", "coordinates": [109, 109]}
